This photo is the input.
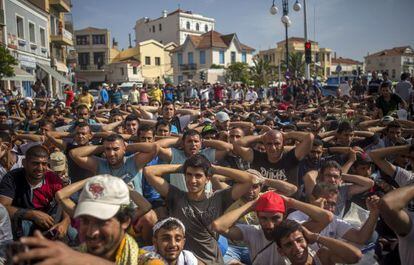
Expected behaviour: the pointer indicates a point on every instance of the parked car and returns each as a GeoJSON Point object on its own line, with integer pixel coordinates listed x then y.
{"type": "Point", "coordinates": [333, 82]}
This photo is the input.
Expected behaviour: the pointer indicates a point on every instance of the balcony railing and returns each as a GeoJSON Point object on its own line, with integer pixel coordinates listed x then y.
{"type": "Point", "coordinates": [188, 67]}
{"type": "Point", "coordinates": [94, 67]}
{"type": "Point", "coordinates": [408, 63]}
{"type": "Point", "coordinates": [63, 6]}
{"type": "Point", "coordinates": [2, 17]}
{"type": "Point", "coordinates": [64, 37]}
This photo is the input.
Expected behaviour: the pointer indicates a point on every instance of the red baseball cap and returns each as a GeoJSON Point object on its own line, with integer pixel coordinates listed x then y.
{"type": "Point", "coordinates": [270, 202]}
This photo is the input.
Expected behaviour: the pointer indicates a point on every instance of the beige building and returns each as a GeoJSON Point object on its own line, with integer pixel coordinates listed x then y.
{"type": "Point", "coordinates": [149, 61]}
{"type": "Point", "coordinates": [321, 56]}
{"type": "Point", "coordinates": [199, 53]}
{"type": "Point", "coordinates": [2, 25]}
{"type": "Point", "coordinates": [94, 51]}
{"type": "Point", "coordinates": [348, 66]}
{"type": "Point", "coordinates": [395, 61]}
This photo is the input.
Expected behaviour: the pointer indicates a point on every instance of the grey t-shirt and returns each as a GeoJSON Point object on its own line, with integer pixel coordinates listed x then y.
{"type": "Point", "coordinates": [406, 246]}
{"type": "Point", "coordinates": [197, 217]}
{"type": "Point", "coordinates": [342, 200]}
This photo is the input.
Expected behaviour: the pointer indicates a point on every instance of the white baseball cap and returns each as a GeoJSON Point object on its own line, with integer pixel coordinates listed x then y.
{"type": "Point", "coordinates": [102, 197]}
{"type": "Point", "coordinates": [222, 116]}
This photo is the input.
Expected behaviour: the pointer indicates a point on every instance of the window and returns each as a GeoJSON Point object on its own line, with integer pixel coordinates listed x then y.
{"type": "Point", "coordinates": [122, 70]}
{"type": "Point", "coordinates": [98, 59]}
{"type": "Point", "coordinates": [180, 78]}
{"type": "Point", "coordinates": [134, 70]}
{"type": "Point", "coordinates": [233, 57]}
{"type": "Point", "coordinates": [188, 25]}
{"type": "Point", "coordinates": [206, 27]}
{"type": "Point", "coordinates": [393, 73]}
{"type": "Point", "coordinates": [160, 27]}
{"type": "Point", "coordinates": [147, 60]}
{"type": "Point", "coordinates": [180, 58]}
{"type": "Point", "coordinates": [153, 28]}
{"type": "Point", "coordinates": [190, 57]}
{"type": "Point", "coordinates": [98, 39]}
{"type": "Point", "coordinates": [198, 27]}
{"type": "Point", "coordinates": [244, 57]}
{"type": "Point", "coordinates": [83, 59]}
{"type": "Point", "coordinates": [32, 33]}
{"type": "Point", "coordinates": [157, 61]}
{"type": "Point", "coordinates": [82, 40]}
{"type": "Point", "coordinates": [42, 37]}
{"type": "Point", "coordinates": [221, 57]}
{"type": "Point", "coordinates": [20, 27]}
{"type": "Point", "coordinates": [202, 57]}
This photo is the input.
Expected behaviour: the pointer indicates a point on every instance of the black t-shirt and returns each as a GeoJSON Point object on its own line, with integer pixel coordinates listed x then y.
{"type": "Point", "coordinates": [374, 85]}
{"type": "Point", "coordinates": [388, 106]}
{"type": "Point", "coordinates": [284, 169]}
{"type": "Point", "coordinates": [75, 172]}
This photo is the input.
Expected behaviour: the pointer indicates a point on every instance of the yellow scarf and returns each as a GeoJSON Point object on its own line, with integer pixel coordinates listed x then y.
{"type": "Point", "coordinates": [128, 252]}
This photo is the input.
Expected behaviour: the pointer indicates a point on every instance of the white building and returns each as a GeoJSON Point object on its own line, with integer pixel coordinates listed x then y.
{"type": "Point", "coordinates": [394, 61]}
{"type": "Point", "coordinates": [199, 53]}
{"type": "Point", "coordinates": [348, 66]}
{"type": "Point", "coordinates": [172, 27]}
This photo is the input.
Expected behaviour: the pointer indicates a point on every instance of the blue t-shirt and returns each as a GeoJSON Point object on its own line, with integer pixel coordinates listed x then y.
{"type": "Point", "coordinates": [148, 191]}
{"type": "Point", "coordinates": [104, 96]}
{"type": "Point", "coordinates": [127, 172]}
{"type": "Point", "coordinates": [169, 94]}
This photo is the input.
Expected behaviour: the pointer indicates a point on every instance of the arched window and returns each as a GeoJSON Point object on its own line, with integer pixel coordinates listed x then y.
{"type": "Point", "coordinates": [197, 27]}
{"type": "Point", "coordinates": [206, 27]}
{"type": "Point", "coordinates": [188, 25]}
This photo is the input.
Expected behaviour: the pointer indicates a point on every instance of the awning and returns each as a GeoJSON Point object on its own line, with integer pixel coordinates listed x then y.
{"type": "Point", "coordinates": [55, 74]}
{"type": "Point", "coordinates": [61, 67]}
{"type": "Point", "coordinates": [20, 75]}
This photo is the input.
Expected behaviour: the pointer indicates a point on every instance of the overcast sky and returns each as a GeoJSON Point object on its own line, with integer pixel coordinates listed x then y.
{"type": "Point", "coordinates": [351, 28]}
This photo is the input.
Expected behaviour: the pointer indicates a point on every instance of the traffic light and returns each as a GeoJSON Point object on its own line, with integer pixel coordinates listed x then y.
{"type": "Point", "coordinates": [202, 75]}
{"type": "Point", "coordinates": [308, 52]}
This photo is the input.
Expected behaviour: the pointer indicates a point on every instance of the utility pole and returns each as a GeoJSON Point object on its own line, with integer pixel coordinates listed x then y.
{"type": "Point", "coordinates": [307, 70]}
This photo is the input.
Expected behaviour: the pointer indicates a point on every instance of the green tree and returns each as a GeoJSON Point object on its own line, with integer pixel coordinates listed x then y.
{"type": "Point", "coordinates": [296, 64]}
{"type": "Point", "coordinates": [6, 63]}
{"type": "Point", "coordinates": [216, 66]}
{"type": "Point", "coordinates": [238, 72]}
{"type": "Point", "coordinates": [261, 72]}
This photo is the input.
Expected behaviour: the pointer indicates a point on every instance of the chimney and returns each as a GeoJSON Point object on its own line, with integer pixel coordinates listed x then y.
{"type": "Point", "coordinates": [130, 44]}
{"type": "Point", "coordinates": [114, 44]}
{"type": "Point", "coordinates": [164, 13]}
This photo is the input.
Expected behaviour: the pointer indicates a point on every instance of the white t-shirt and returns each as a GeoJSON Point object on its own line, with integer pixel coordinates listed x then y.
{"type": "Point", "coordinates": [336, 229]}
{"type": "Point", "coordinates": [186, 257]}
{"type": "Point", "coordinates": [255, 239]}
{"type": "Point", "coordinates": [251, 96]}
{"type": "Point", "coordinates": [406, 246]}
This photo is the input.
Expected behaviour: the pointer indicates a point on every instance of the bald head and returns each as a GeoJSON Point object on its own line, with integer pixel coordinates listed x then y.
{"type": "Point", "coordinates": [273, 142]}
{"type": "Point", "coordinates": [272, 135]}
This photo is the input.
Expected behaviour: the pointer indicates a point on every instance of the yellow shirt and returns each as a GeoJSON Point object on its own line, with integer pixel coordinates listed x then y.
{"type": "Point", "coordinates": [156, 94]}
{"type": "Point", "coordinates": [85, 99]}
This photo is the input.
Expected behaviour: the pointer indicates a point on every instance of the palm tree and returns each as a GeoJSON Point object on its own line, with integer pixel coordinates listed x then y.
{"type": "Point", "coordinates": [261, 72]}
{"type": "Point", "coordinates": [296, 64]}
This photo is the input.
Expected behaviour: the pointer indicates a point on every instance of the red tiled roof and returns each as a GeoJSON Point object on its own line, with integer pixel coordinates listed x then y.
{"type": "Point", "coordinates": [391, 52]}
{"type": "Point", "coordinates": [341, 60]}
{"type": "Point", "coordinates": [213, 39]}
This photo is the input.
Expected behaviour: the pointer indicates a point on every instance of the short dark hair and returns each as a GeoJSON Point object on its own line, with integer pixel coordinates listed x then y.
{"type": "Point", "coordinates": [393, 124]}
{"type": "Point", "coordinates": [167, 103]}
{"type": "Point", "coordinates": [82, 124]}
{"type": "Point", "coordinates": [322, 188]}
{"type": "Point", "coordinates": [162, 122]}
{"type": "Point", "coordinates": [404, 76]}
{"type": "Point", "coordinates": [286, 228]}
{"type": "Point", "coordinates": [189, 133]}
{"type": "Point", "coordinates": [385, 84]}
{"type": "Point", "coordinates": [345, 126]}
{"type": "Point", "coordinates": [3, 113]}
{"type": "Point", "coordinates": [317, 142]}
{"type": "Point", "coordinates": [330, 164]}
{"type": "Point", "coordinates": [145, 128]}
{"type": "Point", "coordinates": [113, 138]}
{"type": "Point", "coordinates": [45, 123]}
{"type": "Point", "coordinates": [81, 106]}
{"type": "Point", "coordinates": [199, 161]}
{"type": "Point", "coordinates": [125, 213]}
{"type": "Point", "coordinates": [5, 137]}
{"type": "Point", "coordinates": [131, 117]}
{"type": "Point", "coordinates": [37, 151]}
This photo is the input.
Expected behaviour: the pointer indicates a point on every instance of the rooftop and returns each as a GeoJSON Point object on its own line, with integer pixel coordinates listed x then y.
{"type": "Point", "coordinates": [393, 52]}
{"type": "Point", "coordinates": [341, 60]}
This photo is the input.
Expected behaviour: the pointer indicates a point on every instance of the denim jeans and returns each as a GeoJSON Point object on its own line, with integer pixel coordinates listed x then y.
{"type": "Point", "coordinates": [236, 253]}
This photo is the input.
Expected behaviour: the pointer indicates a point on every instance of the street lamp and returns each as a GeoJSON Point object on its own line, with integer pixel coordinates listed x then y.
{"type": "Point", "coordinates": [286, 21]}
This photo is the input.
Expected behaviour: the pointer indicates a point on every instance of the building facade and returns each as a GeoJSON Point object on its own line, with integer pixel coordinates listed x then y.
{"type": "Point", "coordinates": [320, 56]}
{"type": "Point", "coordinates": [395, 61]}
{"type": "Point", "coordinates": [2, 24]}
{"type": "Point", "coordinates": [28, 41]}
{"type": "Point", "coordinates": [94, 51]}
{"type": "Point", "coordinates": [149, 62]}
{"type": "Point", "coordinates": [172, 27]}
{"type": "Point", "coordinates": [199, 53]}
{"type": "Point", "coordinates": [348, 66]}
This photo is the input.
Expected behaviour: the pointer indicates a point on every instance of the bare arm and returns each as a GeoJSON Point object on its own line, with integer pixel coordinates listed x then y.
{"type": "Point", "coordinates": [392, 210]}
{"type": "Point", "coordinates": [378, 156]}
{"type": "Point", "coordinates": [63, 196]}
{"type": "Point", "coordinates": [83, 156]}
{"type": "Point", "coordinates": [360, 184]}
{"type": "Point", "coordinates": [282, 187]}
{"type": "Point", "coordinates": [242, 147]}
{"type": "Point", "coordinates": [244, 180]}
{"type": "Point", "coordinates": [305, 145]}
{"type": "Point", "coordinates": [154, 175]}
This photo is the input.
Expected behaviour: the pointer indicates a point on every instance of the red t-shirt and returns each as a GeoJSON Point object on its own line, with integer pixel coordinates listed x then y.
{"type": "Point", "coordinates": [70, 97]}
